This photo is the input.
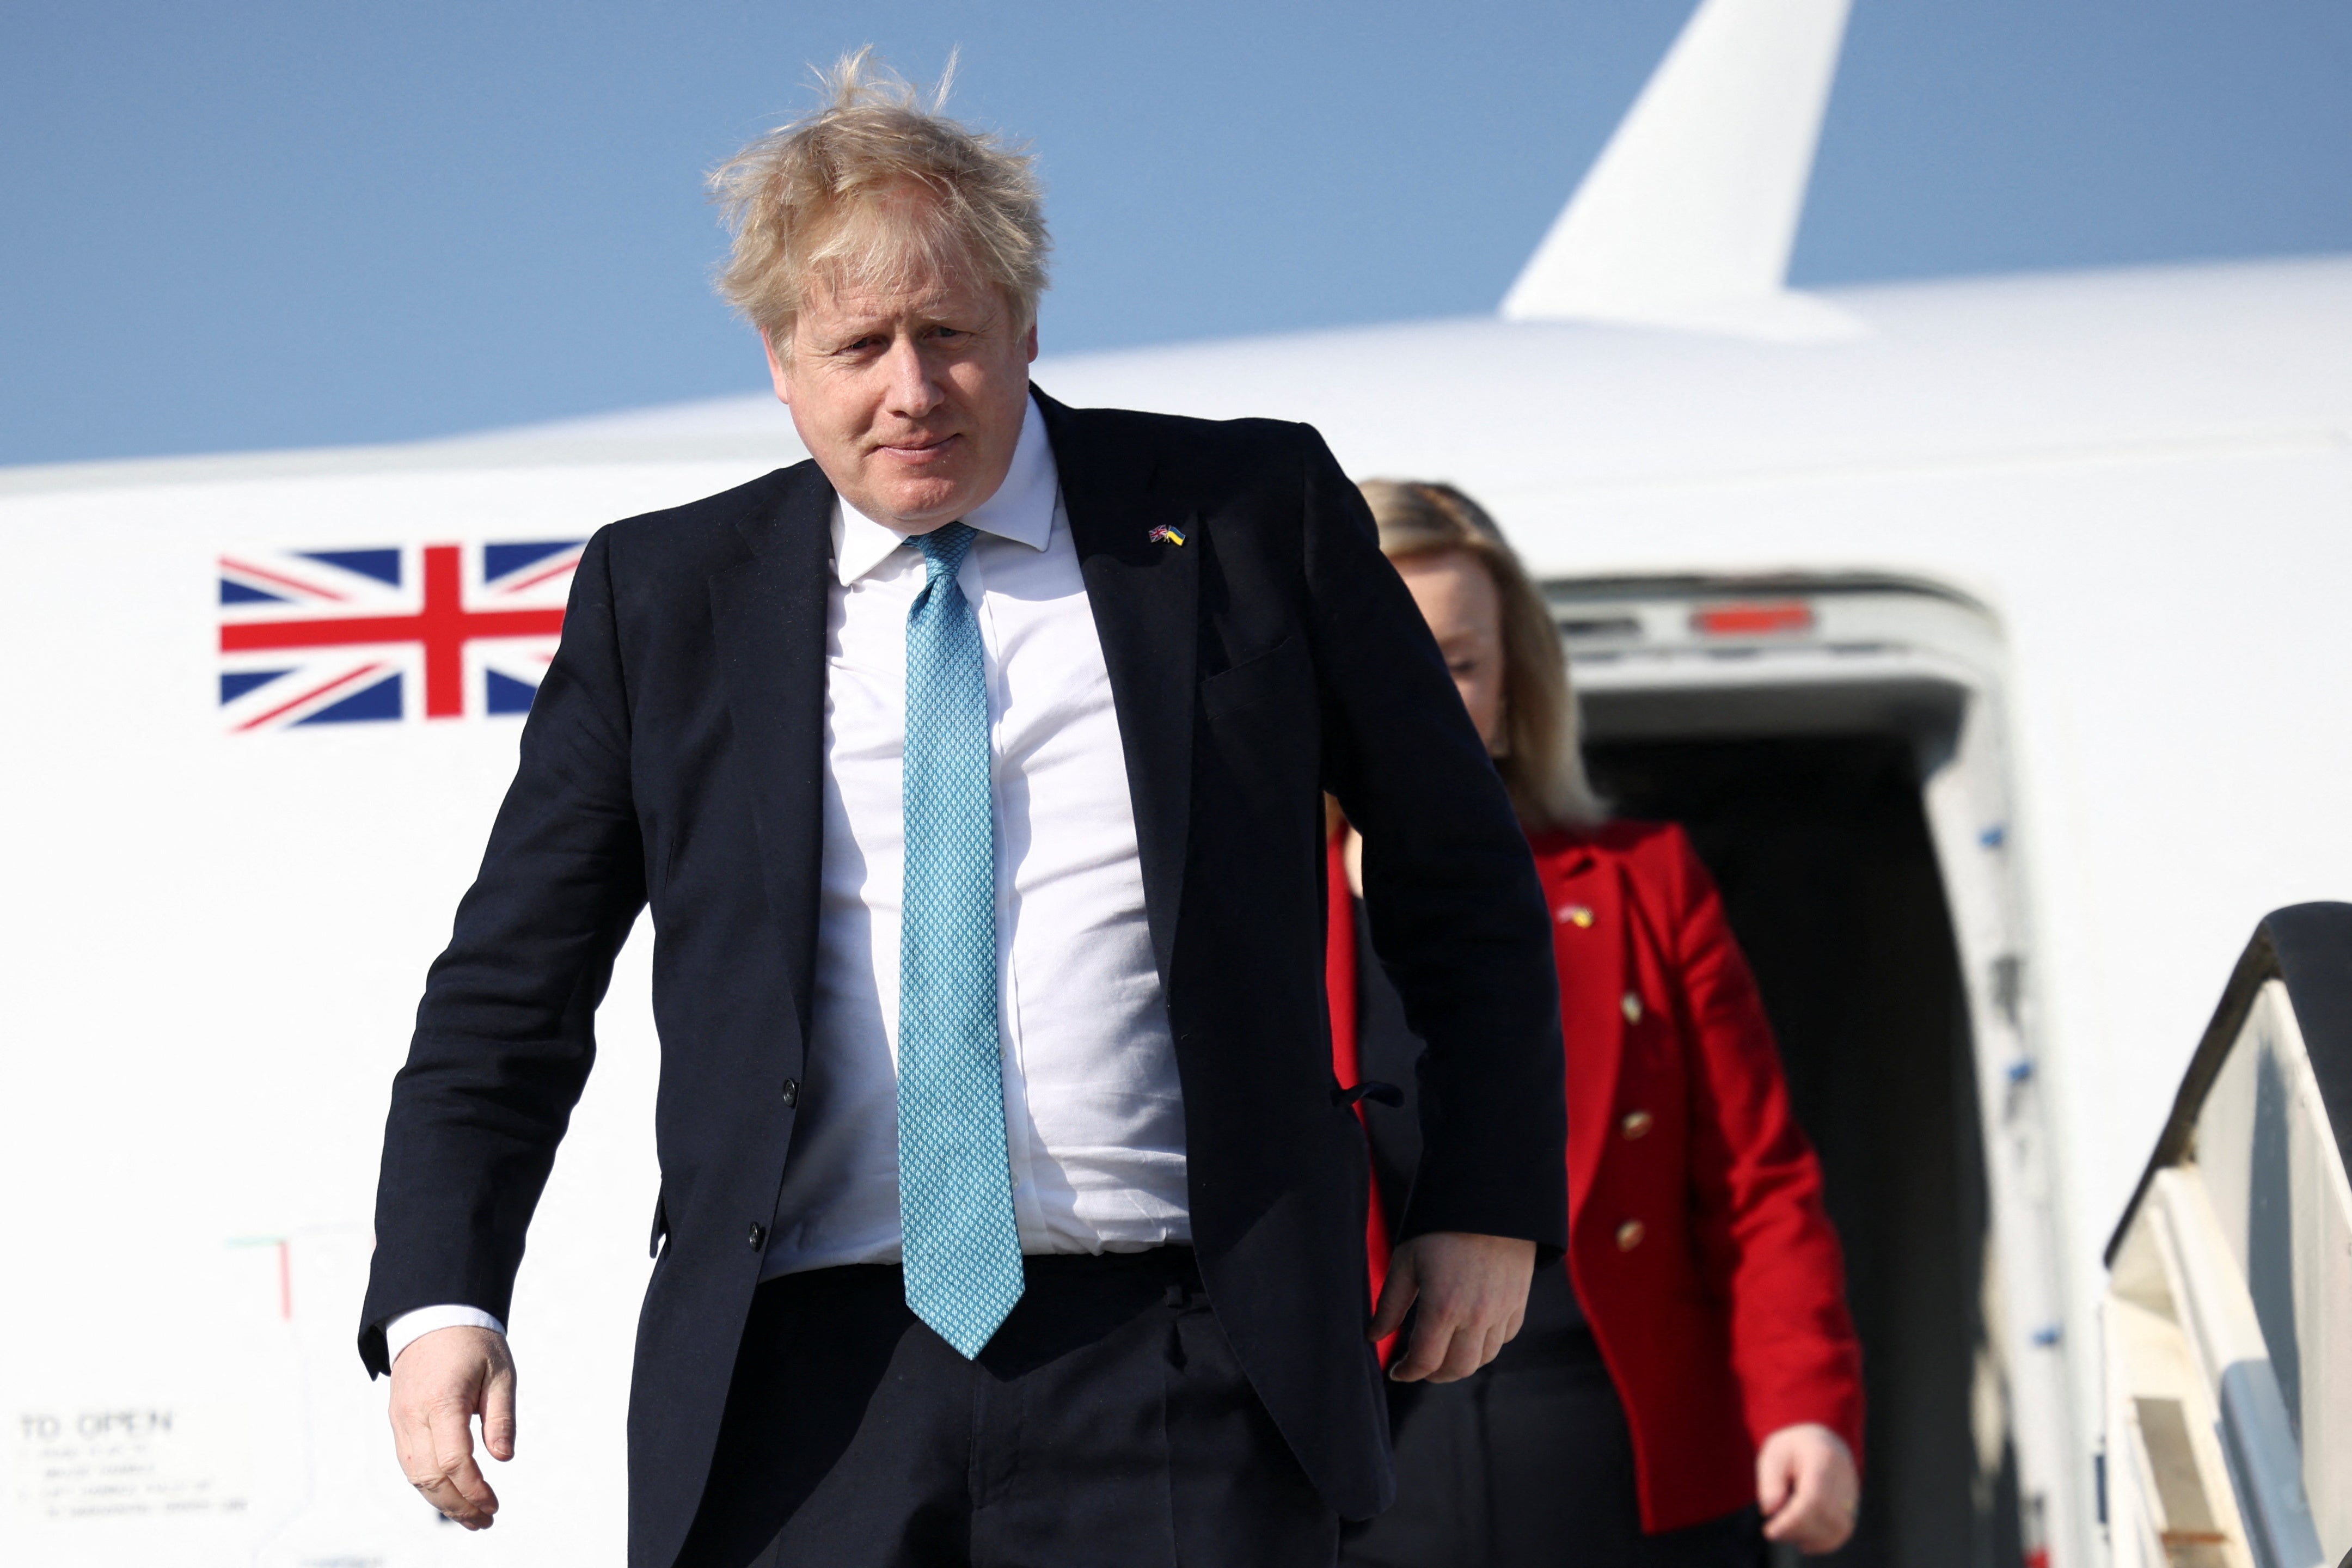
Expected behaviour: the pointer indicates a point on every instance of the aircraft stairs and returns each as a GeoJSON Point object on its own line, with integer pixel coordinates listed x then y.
{"type": "Point", "coordinates": [2227, 1322]}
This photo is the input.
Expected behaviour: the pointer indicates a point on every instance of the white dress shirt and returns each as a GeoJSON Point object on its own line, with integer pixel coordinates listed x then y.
{"type": "Point", "coordinates": [1094, 1115]}
{"type": "Point", "coordinates": [1094, 1119]}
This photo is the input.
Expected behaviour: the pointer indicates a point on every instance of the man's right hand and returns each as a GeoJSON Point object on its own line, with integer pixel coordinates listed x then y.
{"type": "Point", "coordinates": [441, 1381]}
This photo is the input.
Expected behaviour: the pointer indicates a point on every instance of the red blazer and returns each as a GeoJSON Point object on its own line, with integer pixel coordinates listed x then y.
{"type": "Point", "coordinates": [1698, 1241]}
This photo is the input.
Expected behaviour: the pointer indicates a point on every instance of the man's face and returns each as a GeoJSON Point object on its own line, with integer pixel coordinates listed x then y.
{"type": "Point", "coordinates": [909, 399]}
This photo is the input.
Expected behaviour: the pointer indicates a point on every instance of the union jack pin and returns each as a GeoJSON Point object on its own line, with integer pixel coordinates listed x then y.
{"type": "Point", "coordinates": [1164, 534]}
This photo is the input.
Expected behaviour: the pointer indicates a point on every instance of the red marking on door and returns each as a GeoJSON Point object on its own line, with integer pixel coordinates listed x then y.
{"type": "Point", "coordinates": [1751, 620]}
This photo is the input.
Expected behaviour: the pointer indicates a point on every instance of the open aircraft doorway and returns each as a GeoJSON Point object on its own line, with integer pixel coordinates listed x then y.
{"type": "Point", "coordinates": [1835, 747]}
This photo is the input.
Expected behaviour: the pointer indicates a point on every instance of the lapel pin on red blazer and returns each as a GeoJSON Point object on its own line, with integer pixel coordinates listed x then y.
{"type": "Point", "coordinates": [1164, 534]}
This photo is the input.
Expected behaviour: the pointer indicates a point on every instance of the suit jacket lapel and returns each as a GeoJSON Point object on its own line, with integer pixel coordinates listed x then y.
{"type": "Point", "coordinates": [768, 617]}
{"type": "Point", "coordinates": [1145, 596]}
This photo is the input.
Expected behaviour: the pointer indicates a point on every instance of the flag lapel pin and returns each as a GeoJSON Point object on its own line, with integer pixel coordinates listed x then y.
{"type": "Point", "coordinates": [1164, 534]}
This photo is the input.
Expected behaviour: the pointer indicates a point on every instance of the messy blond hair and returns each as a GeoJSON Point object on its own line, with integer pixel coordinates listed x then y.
{"type": "Point", "coordinates": [1540, 758]}
{"type": "Point", "coordinates": [880, 189]}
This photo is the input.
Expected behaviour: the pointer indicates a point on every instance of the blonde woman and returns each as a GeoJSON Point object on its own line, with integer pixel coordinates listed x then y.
{"type": "Point", "coordinates": [1692, 1364]}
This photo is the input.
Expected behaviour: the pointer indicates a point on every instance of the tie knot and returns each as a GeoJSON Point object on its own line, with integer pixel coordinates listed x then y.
{"type": "Point", "coordinates": [945, 547]}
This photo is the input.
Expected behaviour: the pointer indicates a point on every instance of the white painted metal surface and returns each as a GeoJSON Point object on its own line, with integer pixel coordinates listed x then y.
{"type": "Point", "coordinates": [2169, 1498]}
{"type": "Point", "coordinates": [2259, 1208]}
{"type": "Point", "coordinates": [2268, 1164]}
{"type": "Point", "coordinates": [1688, 216]}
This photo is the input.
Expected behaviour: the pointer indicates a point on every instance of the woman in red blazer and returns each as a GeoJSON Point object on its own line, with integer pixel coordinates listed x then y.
{"type": "Point", "coordinates": [1693, 1365]}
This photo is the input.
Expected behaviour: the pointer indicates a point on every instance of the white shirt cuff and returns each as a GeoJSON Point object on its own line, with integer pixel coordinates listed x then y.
{"type": "Point", "coordinates": [410, 1327]}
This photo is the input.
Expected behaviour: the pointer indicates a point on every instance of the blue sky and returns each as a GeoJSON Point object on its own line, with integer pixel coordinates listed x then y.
{"type": "Point", "coordinates": [245, 226]}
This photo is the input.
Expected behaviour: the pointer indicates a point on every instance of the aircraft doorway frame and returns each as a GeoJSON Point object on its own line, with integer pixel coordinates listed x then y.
{"type": "Point", "coordinates": [1686, 657]}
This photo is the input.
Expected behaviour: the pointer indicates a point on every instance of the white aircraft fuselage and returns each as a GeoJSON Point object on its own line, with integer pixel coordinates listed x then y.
{"type": "Point", "coordinates": [2107, 516]}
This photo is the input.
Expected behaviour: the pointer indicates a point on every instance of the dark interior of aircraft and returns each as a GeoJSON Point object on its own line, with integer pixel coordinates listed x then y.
{"type": "Point", "coordinates": [1822, 848]}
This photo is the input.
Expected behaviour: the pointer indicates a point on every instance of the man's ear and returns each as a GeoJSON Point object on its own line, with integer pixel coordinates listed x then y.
{"type": "Point", "coordinates": [1029, 344]}
{"type": "Point", "coordinates": [776, 368]}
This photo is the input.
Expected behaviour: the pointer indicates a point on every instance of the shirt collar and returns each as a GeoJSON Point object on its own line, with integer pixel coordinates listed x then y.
{"type": "Point", "coordinates": [1021, 510]}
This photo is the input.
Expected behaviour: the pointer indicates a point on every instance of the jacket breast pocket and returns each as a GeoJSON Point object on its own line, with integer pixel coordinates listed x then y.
{"type": "Point", "coordinates": [1258, 735]}
{"type": "Point", "coordinates": [1260, 678]}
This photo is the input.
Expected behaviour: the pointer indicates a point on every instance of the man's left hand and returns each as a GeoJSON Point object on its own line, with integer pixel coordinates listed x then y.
{"type": "Point", "coordinates": [1472, 1291]}
{"type": "Point", "coordinates": [1808, 1487]}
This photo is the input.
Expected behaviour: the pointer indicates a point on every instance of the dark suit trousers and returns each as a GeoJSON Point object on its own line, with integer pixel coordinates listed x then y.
{"type": "Point", "coordinates": [1108, 1423]}
{"type": "Point", "coordinates": [1528, 1464]}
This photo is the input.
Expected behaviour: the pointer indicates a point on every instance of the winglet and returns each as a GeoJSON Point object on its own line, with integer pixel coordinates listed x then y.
{"type": "Point", "coordinates": [1687, 218]}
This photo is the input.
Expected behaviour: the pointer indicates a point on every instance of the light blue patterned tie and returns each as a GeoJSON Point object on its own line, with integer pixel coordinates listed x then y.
{"type": "Point", "coordinates": [955, 1185]}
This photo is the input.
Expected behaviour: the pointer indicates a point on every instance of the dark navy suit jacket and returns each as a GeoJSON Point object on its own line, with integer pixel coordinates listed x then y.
{"type": "Point", "coordinates": [674, 754]}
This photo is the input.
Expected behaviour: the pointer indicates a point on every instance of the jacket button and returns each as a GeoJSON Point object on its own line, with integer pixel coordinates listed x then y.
{"type": "Point", "coordinates": [792, 1093]}
{"type": "Point", "coordinates": [759, 1235]}
{"type": "Point", "coordinates": [1637, 1122]}
{"type": "Point", "coordinates": [1633, 1005]}
{"type": "Point", "coordinates": [1629, 1235]}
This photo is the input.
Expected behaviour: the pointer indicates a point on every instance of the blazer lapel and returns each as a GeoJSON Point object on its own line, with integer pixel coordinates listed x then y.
{"type": "Point", "coordinates": [1592, 969]}
{"type": "Point", "coordinates": [768, 617]}
{"type": "Point", "coordinates": [1144, 594]}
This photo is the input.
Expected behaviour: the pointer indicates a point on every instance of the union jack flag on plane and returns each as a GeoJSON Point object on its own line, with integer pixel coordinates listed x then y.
{"type": "Point", "coordinates": [432, 631]}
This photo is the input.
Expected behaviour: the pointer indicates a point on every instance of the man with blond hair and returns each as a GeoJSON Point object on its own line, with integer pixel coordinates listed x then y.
{"type": "Point", "coordinates": [974, 772]}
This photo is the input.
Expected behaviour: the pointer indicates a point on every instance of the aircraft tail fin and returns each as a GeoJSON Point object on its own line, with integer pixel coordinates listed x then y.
{"type": "Point", "coordinates": [1687, 218]}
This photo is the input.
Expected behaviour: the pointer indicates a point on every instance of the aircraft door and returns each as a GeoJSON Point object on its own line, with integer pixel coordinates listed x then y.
{"type": "Point", "coordinates": [2227, 1324]}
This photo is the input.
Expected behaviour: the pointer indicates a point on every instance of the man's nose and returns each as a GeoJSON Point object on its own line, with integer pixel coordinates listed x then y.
{"type": "Point", "coordinates": [913, 391]}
